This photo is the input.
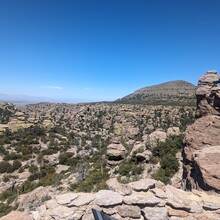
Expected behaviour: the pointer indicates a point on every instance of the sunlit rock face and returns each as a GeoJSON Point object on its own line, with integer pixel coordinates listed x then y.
{"type": "Point", "coordinates": [208, 94]}
{"type": "Point", "coordinates": [202, 141]}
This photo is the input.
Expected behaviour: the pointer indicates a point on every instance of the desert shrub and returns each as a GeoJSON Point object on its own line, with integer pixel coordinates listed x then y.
{"type": "Point", "coordinates": [5, 167]}
{"type": "Point", "coordinates": [94, 181]}
{"type": "Point", "coordinates": [5, 178]}
{"type": "Point", "coordinates": [4, 209]}
{"type": "Point", "coordinates": [33, 169]}
{"type": "Point", "coordinates": [16, 164]}
{"type": "Point", "coordinates": [130, 168]}
{"type": "Point", "coordinates": [165, 153]}
{"type": "Point", "coordinates": [50, 179]}
{"type": "Point", "coordinates": [12, 156]}
{"type": "Point", "coordinates": [67, 159]}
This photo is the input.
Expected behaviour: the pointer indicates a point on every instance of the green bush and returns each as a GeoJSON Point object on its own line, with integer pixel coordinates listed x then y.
{"type": "Point", "coordinates": [165, 153]}
{"type": "Point", "coordinates": [4, 209]}
{"type": "Point", "coordinates": [16, 164]}
{"type": "Point", "coordinates": [94, 181]}
{"type": "Point", "coordinates": [130, 168]}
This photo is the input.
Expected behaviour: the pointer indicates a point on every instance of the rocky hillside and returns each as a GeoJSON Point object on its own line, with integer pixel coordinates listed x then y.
{"type": "Point", "coordinates": [58, 161]}
{"type": "Point", "coordinates": [170, 93]}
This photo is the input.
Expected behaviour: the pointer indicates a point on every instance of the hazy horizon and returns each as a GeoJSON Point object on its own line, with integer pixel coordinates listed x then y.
{"type": "Point", "coordinates": [103, 50]}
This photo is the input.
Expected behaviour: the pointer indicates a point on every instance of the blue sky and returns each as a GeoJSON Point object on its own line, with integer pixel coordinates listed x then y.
{"type": "Point", "coordinates": [104, 49]}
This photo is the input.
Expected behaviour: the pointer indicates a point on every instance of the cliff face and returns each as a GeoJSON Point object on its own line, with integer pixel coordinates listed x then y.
{"type": "Point", "coordinates": [208, 94]}
{"type": "Point", "coordinates": [202, 151]}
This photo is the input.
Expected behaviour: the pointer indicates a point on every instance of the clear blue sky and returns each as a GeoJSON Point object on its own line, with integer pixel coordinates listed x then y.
{"type": "Point", "coordinates": [104, 49]}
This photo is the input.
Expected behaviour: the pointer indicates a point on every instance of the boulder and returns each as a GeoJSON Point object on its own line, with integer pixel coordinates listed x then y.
{"type": "Point", "coordinates": [177, 199]}
{"type": "Point", "coordinates": [143, 185]}
{"type": "Point", "coordinates": [115, 153]}
{"type": "Point", "coordinates": [132, 132]}
{"type": "Point", "coordinates": [144, 156]}
{"type": "Point", "coordinates": [108, 198]}
{"type": "Point", "coordinates": [63, 212]}
{"type": "Point", "coordinates": [129, 211]}
{"type": "Point", "coordinates": [173, 131]}
{"type": "Point", "coordinates": [207, 94]}
{"type": "Point", "coordinates": [137, 199]}
{"type": "Point", "coordinates": [156, 137]}
{"type": "Point", "coordinates": [16, 215]}
{"type": "Point", "coordinates": [66, 198]}
{"type": "Point", "coordinates": [122, 189]}
{"type": "Point", "coordinates": [82, 199]}
{"type": "Point", "coordinates": [155, 213]}
{"type": "Point", "coordinates": [207, 162]}
{"type": "Point", "coordinates": [200, 164]}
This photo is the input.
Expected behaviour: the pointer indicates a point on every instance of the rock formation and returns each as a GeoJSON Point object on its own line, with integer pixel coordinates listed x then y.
{"type": "Point", "coordinates": [208, 94]}
{"type": "Point", "coordinates": [202, 151]}
{"type": "Point", "coordinates": [143, 199]}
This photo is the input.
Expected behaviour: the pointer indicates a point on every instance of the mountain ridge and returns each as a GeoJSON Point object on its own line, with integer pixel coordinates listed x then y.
{"type": "Point", "coordinates": [176, 92]}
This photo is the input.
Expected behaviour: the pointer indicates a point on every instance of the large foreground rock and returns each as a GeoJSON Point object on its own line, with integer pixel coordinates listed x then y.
{"type": "Point", "coordinates": [202, 139]}
{"type": "Point", "coordinates": [201, 154]}
{"type": "Point", "coordinates": [16, 215]}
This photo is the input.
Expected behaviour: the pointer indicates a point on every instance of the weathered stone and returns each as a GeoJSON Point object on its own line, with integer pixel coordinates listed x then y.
{"type": "Point", "coordinates": [16, 215]}
{"type": "Point", "coordinates": [132, 132]}
{"type": "Point", "coordinates": [35, 215]}
{"type": "Point", "coordinates": [82, 199]}
{"type": "Point", "coordinates": [177, 198]}
{"type": "Point", "coordinates": [129, 211]}
{"type": "Point", "coordinates": [155, 138]}
{"type": "Point", "coordinates": [208, 163]}
{"type": "Point", "coordinates": [122, 189]}
{"type": "Point", "coordinates": [51, 204]}
{"type": "Point", "coordinates": [211, 206]}
{"type": "Point", "coordinates": [145, 156]}
{"type": "Point", "coordinates": [115, 153]}
{"type": "Point", "coordinates": [34, 198]}
{"type": "Point", "coordinates": [201, 154]}
{"type": "Point", "coordinates": [143, 185]}
{"type": "Point", "coordinates": [155, 213]}
{"type": "Point", "coordinates": [159, 193]}
{"type": "Point", "coordinates": [178, 213]}
{"type": "Point", "coordinates": [207, 93]}
{"type": "Point", "coordinates": [137, 199]}
{"type": "Point", "coordinates": [108, 198]}
{"type": "Point", "coordinates": [66, 198]}
{"type": "Point", "coordinates": [62, 212]}
{"type": "Point", "coordinates": [173, 131]}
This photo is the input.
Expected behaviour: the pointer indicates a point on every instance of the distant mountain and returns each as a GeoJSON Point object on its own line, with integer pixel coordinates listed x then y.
{"type": "Point", "coordinates": [22, 99]}
{"type": "Point", "coordinates": [176, 92]}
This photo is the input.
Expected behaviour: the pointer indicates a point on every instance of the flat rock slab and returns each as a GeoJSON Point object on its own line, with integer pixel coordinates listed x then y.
{"type": "Point", "coordinates": [66, 198]}
{"type": "Point", "coordinates": [143, 185]}
{"type": "Point", "coordinates": [123, 189]}
{"type": "Point", "coordinates": [155, 213]}
{"type": "Point", "coordinates": [137, 199]}
{"type": "Point", "coordinates": [16, 215]}
{"type": "Point", "coordinates": [129, 211]}
{"type": "Point", "coordinates": [178, 198]}
{"type": "Point", "coordinates": [108, 198]}
{"type": "Point", "coordinates": [63, 212]}
{"type": "Point", "coordinates": [82, 199]}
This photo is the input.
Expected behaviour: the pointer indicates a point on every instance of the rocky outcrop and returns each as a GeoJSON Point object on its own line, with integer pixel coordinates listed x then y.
{"type": "Point", "coordinates": [202, 140]}
{"type": "Point", "coordinates": [115, 153]}
{"type": "Point", "coordinates": [208, 94]}
{"type": "Point", "coordinates": [144, 199]}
